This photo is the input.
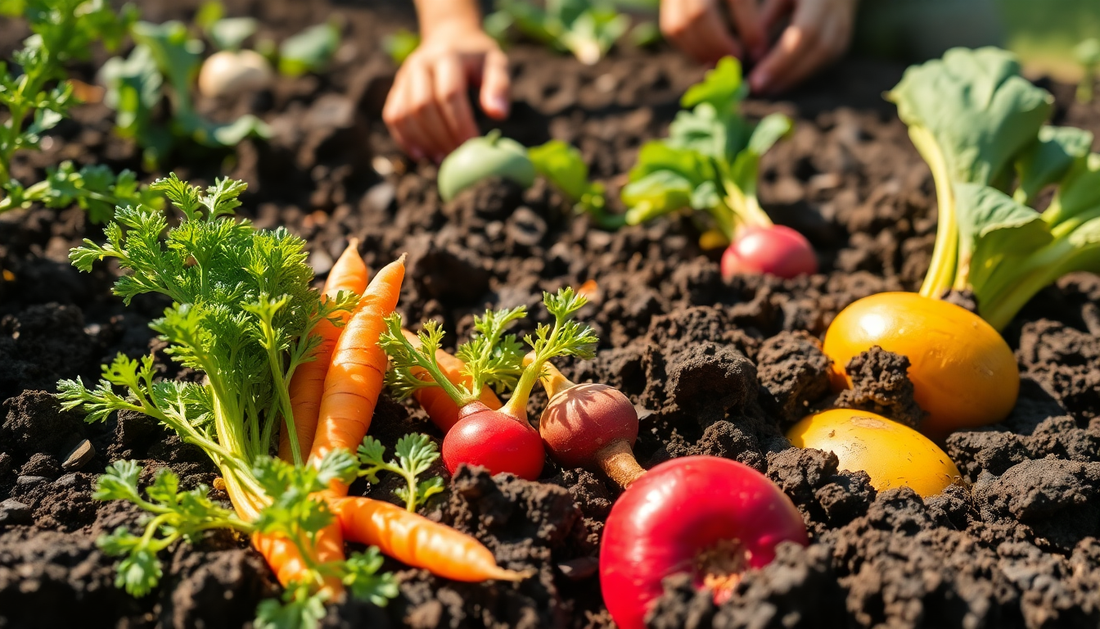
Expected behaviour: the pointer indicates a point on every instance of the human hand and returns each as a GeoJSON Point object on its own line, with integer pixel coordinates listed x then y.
{"type": "Point", "coordinates": [698, 28]}
{"type": "Point", "coordinates": [427, 111]}
{"type": "Point", "coordinates": [818, 34]}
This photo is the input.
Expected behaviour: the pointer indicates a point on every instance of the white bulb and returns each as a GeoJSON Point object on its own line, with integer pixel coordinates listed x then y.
{"type": "Point", "coordinates": [227, 73]}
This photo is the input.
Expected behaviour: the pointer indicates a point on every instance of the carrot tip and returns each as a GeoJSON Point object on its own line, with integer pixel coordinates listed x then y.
{"type": "Point", "coordinates": [502, 574]}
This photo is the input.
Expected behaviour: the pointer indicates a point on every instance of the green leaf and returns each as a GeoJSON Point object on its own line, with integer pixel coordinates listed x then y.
{"type": "Point", "coordinates": [658, 193]}
{"type": "Point", "coordinates": [722, 87]}
{"type": "Point", "coordinates": [209, 13]}
{"type": "Point", "coordinates": [492, 357]}
{"type": "Point", "coordinates": [994, 231]}
{"type": "Point", "coordinates": [563, 166]}
{"type": "Point", "coordinates": [979, 109]}
{"type": "Point", "coordinates": [415, 455]}
{"type": "Point", "coordinates": [230, 33]}
{"type": "Point", "coordinates": [119, 482]}
{"type": "Point", "coordinates": [298, 609]}
{"type": "Point", "coordinates": [177, 55]}
{"type": "Point", "coordinates": [745, 169]}
{"type": "Point", "coordinates": [1079, 192]}
{"type": "Point", "coordinates": [566, 337]}
{"type": "Point", "coordinates": [1049, 158]}
{"type": "Point", "coordinates": [309, 51]}
{"type": "Point", "coordinates": [362, 578]}
{"type": "Point", "coordinates": [139, 572]}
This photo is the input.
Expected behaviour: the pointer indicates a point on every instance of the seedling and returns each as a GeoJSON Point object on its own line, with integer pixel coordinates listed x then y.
{"type": "Point", "coordinates": [37, 94]}
{"type": "Point", "coordinates": [163, 65]}
{"type": "Point", "coordinates": [1088, 55]}
{"type": "Point", "coordinates": [495, 156]}
{"type": "Point", "coordinates": [710, 162]}
{"type": "Point", "coordinates": [586, 28]}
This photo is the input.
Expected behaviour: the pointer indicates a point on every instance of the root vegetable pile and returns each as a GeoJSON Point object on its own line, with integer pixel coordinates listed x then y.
{"type": "Point", "coordinates": [244, 316]}
{"type": "Point", "coordinates": [499, 440]}
{"type": "Point", "coordinates": [280, 384]}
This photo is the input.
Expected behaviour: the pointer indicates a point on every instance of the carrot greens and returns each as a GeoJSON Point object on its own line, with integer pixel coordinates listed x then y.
{"type": "Point", "coordinates": [415, 454]}
{"type": "Point", "coordinates": [241, 312]}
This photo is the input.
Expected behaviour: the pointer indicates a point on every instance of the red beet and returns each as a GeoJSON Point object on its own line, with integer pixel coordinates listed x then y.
{"type": "Point", "coordinates": [776, 249]}
{"type": "Point", "coordinates": [590, 425]}
{"type": "Point", "coordinates": [495, 440]}
{"type": "Point", "coordinates": [707, 516]}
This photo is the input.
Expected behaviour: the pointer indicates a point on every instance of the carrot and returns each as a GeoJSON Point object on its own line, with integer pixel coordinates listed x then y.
{"type": "Point", "coordinates": [355, 375]}
{"type": "Point", "coordinates": [287, 563]}
{"type": "Point", "coordinates": [440, 407]}
{"type": "Point", "coordinates": [418, 541]}
{"type": "Point", "coordinates": [308, 384]}
{"type": "Point", "coordinates": [282, 554]}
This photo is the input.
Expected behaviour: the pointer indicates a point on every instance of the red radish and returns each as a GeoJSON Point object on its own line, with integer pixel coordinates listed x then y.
{"type": "Point", "coordinates": [590, 425]}
{"type": "Point", "coordinates": [708, 516]}
{"type": "Point", "coordinates": [775, 249]}
{"type": "Point", "coordinates": [499, 440]}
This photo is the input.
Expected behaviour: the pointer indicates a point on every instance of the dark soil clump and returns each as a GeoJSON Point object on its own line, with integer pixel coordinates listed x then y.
{"type": "Point", "coordinates": [880, 385]}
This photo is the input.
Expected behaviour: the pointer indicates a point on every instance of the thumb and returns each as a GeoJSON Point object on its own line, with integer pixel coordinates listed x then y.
{"type": "Point", "coordinates": [495, 84]}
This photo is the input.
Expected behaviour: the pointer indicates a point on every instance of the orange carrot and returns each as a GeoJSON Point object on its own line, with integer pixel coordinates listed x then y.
{"type": "Point", "coordinates": [441, 409]}
{"type": "Point", "coordinates": [355, 375]}
{"type": "Point", "coordinates": [308, 384]}
{"type": "Point", "coordinates": [287, 563]}
{"type": "Point", "coordinates": [418, 541]}
{"type": "Point", "coordinates": [282, 554]}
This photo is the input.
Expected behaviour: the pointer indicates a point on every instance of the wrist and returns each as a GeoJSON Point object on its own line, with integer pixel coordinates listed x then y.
{"type": "Point", "coordinates": [455, 30]}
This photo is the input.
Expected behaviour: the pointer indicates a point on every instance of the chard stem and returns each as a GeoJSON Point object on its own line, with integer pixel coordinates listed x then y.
{"type": "Point", "coordinates": [941, 272]}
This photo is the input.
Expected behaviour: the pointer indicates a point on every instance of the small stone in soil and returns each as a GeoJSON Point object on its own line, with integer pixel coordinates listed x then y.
{"type": "Point", "coordinates": [579, 568]}
{"type": "Point", "coordinates": [30, 481]}
{"type": "Point", "coordinates": [79, 457]}
{"type": "Point", "coordinates": [14, 512]}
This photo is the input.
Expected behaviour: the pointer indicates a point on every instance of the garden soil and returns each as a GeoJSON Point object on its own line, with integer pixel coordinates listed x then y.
{"type": "Point", "coordinates": [719, 368]}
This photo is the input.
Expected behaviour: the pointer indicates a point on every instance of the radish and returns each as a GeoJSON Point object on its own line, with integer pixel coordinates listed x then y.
{"type": "Point", "coordinates": [775, 249]}
{"type": "Point", "coordinates": [704, 515]}
{"type": "Point", "coordinates": [499, 440]}
{"type": "Point", "coordinates": [591, 426]}
{"type": "Point", "coordinates": [706, 166]}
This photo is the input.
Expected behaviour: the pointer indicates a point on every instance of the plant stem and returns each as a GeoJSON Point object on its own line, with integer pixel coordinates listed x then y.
{"type": "Point", "coordinates": [941, 273]}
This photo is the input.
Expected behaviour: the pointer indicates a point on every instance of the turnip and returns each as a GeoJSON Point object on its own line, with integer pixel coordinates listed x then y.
{"type": "Point", "coordinates": [710, 517]}
{"type": "Point", "coordinates": [589, 425]}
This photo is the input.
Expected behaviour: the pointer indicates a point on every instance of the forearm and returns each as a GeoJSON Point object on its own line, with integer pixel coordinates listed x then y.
{"type": "Point", "coordinates": [436, 15]}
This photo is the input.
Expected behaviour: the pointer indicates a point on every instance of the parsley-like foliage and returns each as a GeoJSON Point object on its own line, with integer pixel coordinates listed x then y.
{"type": "Point", "coordinates": [415, 454]}
{"type": "Point", "coordinates": [37, 94]}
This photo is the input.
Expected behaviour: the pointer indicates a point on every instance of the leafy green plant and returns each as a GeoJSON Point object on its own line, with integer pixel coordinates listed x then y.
{"type": "Point", "coordinates": [494, 156]}
{"type": "Point", "coordinates": [241, 312]}
{"type": "Point", "coordinates": [710, 161]}
{"type": "Point", "coordinates": [1088, 55]}
{"type": "Point", "coordinates": [309, 51]}
{"type": "Point", "coordinates": [564, 167]}
{"type": "Point", "coordinates": [981, 128]}
{"type": "Point", "coordinates": [163, 65]}
{"type": "Point", "coordinates": [585, 28]}
{"type": "Point", "coordinates": [415, 454]}
{"type": "Point", "coordinates": [37, 94]}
